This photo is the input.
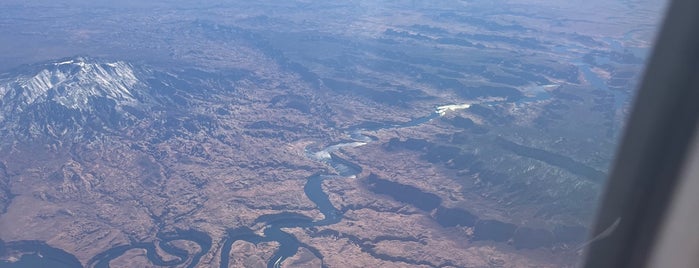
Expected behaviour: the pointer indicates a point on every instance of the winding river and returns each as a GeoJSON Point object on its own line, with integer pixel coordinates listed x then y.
{"type": "Point", "coordinates": [288, 244]}
{"type": "Point", "coordinates": [341, 168]}
{"type": "Point", "coordinates": [39, 253]}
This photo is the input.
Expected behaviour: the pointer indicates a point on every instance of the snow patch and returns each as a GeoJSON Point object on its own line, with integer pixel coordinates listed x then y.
{"type": "Point", "coordinates": [325, 154]}
{"type": "Point", "coordinates": [63, 62]}
{"type": "Point", "coordinates": [442, 110]}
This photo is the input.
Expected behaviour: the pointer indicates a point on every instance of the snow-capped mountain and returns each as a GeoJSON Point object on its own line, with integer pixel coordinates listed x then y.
{"type": "Point", "coordinates": [71, 83]}
{"type": "Point", "coordinates": [63, 96]}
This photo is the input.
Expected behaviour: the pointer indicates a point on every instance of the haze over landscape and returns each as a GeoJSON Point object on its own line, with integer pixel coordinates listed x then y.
{"type": "Point", "coordinates": [311, 133]}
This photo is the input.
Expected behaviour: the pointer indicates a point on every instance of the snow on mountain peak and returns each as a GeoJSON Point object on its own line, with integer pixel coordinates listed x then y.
{"type": "Point", "coordinates": [71, 83]}
{"type": "Point", "coordinates": [69, 96]}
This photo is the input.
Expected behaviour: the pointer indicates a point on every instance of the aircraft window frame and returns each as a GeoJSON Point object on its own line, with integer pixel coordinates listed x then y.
{"type": "Point", "coordinates": [654, 146]}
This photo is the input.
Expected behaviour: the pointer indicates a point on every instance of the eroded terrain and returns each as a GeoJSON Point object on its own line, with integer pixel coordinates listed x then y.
{"type": "Point", "coordinates": [307, 134]}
